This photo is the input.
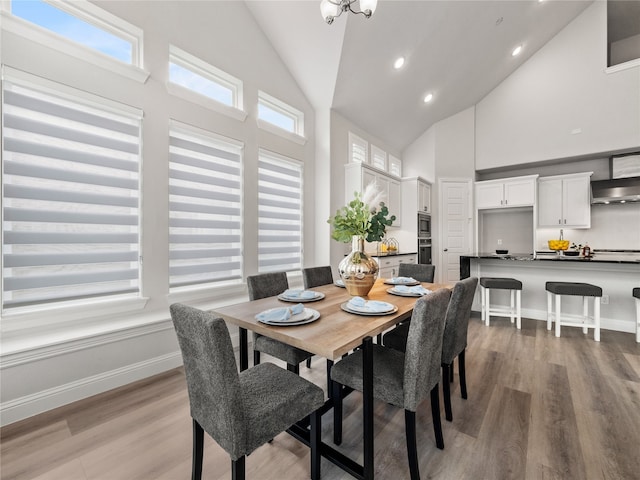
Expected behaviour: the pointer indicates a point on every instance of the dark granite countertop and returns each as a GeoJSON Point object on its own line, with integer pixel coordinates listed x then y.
{"type": "Point", "coordinates": [386, 254]}
{"type": "Point", "coordinates": [600, 256]}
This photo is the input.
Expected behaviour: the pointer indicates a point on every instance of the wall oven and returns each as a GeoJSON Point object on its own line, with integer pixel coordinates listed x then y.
{"type": "Point", "coordinates": [424, 251]}
{"type": "Point", "coordinates": [424, 225]}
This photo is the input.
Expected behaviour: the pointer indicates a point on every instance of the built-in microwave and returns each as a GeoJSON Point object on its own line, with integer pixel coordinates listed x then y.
{"type": "Point", "coordinates": [424, 225]}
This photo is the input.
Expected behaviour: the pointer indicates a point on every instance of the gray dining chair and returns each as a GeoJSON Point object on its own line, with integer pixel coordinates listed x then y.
{"type": "Point", "coordinates": [268, 285]}
{"type": "Point", "coordinates": [317, 276]}
{"type": "Point", "coordinates": [402, 379]}
{"type": "Point", "coordinates": [454, 342]}
{"type": "Point", "coordinates": [240, 411]}
{"type": "Point", "coordinates": [421, 272]}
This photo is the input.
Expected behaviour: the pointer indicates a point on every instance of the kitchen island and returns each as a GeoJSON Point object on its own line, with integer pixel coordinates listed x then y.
{"type": "Point", "coordinates": [617, 272]}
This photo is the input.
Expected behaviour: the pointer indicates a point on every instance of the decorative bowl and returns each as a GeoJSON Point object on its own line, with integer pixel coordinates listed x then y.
{"type": "Point", "coordinates": [559, 244]}
{"type": "Point", "coordinates": [502, 252]}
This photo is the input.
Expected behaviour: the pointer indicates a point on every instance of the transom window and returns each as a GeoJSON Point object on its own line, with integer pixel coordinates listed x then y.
{"type": "Point", "coordinates": [204, 79]}
{"type": "Point", "coordinates": [279, 213]}
{"type": "Point", "coordinates": [280, 114]}
{"type": "Point", "coordinates": [71, 194]}
{"type": "Point", "coordinates": [205, 191]}
{"type": "Point", "coordinates": [358, 149]}
{"type": "Point", "coordinates": [85, 24]}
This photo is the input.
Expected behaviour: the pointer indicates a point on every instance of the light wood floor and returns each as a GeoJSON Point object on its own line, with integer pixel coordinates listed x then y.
{"type": "Point", "coordinates": [539, 407]}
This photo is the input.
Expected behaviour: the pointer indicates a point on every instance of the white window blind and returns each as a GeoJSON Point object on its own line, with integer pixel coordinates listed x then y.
{"type": "Point", "coordinates": [205, 190]}
{"type": "Point", "coordinates": [71, 194]}
{"type": "Point", "coordinates": [395, 166]}
{"type": "Point", "coordinates": [358, 149]}
{"type": "Point", "coordinates": [279, 213]}
{"type": "Point", "coordinates": [378, 158]}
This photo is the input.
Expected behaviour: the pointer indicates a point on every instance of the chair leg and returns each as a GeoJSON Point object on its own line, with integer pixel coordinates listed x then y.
{"type": "Point", "coordinates": [337, 412]}
{"type": "Point", "coordinates": [446, 391]}
{"type": "Point", "coordinates": [412, 449]}
{"type": "Point", "coordinates": [238, 468]}
{"type": "Point", "coordinates": [198, 449]}
{"type": "Point", "coordinates": [309, 362]}
{"type": "Point", "coordinates": [463, 375]}
{"type": "Point", "coordinates": [435, 415]}
{"type": "Point", "coordinates": [293, 368]}
{"type": "Point", "coordinates": [329, 389]}
{"type": "Point", "coordinates": [451, 373]}
{"type": "Point", "coordinates": [316, 439]}
{"type": "Point", "coordinates": [256, 358]}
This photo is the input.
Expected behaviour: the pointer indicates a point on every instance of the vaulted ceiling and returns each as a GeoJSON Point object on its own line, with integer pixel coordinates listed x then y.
{"type": "Point", "coordinates": [457, 50]}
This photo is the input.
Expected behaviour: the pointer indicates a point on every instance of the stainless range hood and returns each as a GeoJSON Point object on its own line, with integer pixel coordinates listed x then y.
{"type": "Point", "coordinates": [618, 190]}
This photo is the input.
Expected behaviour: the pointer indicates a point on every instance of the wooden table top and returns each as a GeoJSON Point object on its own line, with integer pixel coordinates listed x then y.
{"type": "Point", "coordinates": [336, 332]}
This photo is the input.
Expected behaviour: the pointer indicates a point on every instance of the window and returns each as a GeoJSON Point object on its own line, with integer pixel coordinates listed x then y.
{"type": "Point", "coordinates": [205, 191]}
{"type": "Point", "coordinates": [279, 213]}
{"type": "Point", "coordinates": [80, 29]}
{"type": "Point", "coordinates": [358, 149]}
{"type": "Point", "coordinates": [203, 79]}
{"type": "Point", "coordinates": [71, 194]}
{"type": "Point", "coordinates": [279, 114]}
{"type": "Point", "coordinates": [395, 166]}
{"type": "Point", "coordinates": [378, 158]}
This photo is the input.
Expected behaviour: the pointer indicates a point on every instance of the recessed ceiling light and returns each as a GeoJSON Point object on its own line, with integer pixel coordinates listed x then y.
{"type": "Point", "coordinates": [398, 63]}
{"type": "Point", "coordinates": [516, 51]}
{"type": "Point", "coordinates": [428, 97]}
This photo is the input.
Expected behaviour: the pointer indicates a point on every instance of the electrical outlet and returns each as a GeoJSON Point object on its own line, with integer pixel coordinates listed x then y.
{"type": "Point", "coordinates": [499, 241]}
{"type": "Point", "coordinates": [605, 300]}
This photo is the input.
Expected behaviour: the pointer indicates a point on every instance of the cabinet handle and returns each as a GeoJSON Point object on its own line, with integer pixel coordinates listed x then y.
{"type": "Point", "coordinates": [446, 249]}
{"type": "Point", "coordinates": [565, 221]}
{"type": "Point", "coordinates": [559, 221]}
{"type": "Point", "coordinates": [506, 202]}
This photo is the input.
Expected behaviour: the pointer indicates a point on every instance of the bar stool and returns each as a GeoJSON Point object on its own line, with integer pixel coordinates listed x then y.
{"type": "Point", "coordinates": [555, 290]}
{"type": "Point", "coordinates": [513, 311]}
{"type": "Point", "coordinates": [636, 294]}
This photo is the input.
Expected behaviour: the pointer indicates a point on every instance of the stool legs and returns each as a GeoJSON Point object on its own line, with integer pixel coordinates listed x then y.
{"type": "Point", "coordinates": [512, 305]}
{"type": "Point", "coordinates": [553, 314]}
{"type": "Point", "coordinates": [585, 313]}
{"type": "Point", "coordinates": [549, 307]}
{"type": "Point", "coordinates": [638, 319]}
{"type": "Point", "coordinates": [518, 309]}
{"type": "Point", "coordinates": [515, 310]}
{"type": "Point", "coordinates": [487, 305]}
{"type": "Point", "coordinates": [557, 315]}
{"type": "Point", "coordinates": [596, 318]}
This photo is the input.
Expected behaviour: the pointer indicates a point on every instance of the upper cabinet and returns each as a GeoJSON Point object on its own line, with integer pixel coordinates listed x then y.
{"type": "Point", "coordinates": [565, 201]}
{"type": "Point", "coordinates": [416, 197]}
{"type": "Point", "coordinates": [506, 192]}
{"type": "Point", "coordinates": [424, 196]}
{"type": "Point", "coordinates": [358, 176]}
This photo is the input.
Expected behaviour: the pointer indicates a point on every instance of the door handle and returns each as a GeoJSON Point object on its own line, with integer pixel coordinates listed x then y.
{"type": "Point", "coordinates": [446, 249]}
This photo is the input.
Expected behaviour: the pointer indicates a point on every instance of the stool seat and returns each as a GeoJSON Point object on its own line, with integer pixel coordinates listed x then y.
{"type": "Point", "coordinates": [574, 288]}
{"type": "Point", "coordinates": [513, 311]}
{"type": "Point", "coordinates": [555, 291]}
{"type": "Point", "coordinates": [501, 283]}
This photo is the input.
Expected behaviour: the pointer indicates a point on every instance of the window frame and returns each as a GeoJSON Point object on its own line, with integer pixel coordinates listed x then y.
{"type": "Point", "coordinates": [96, 16]}
{"type": "Point", "coordinates": [210, 72]}
{"type": "Point", "coordinates": [297, 135]}
{"type": "Point", "coordinates": [19, 319]}
{"type": "Point", "coordinates": [377, 151]}
{"type": "Point", "coordinates": [361, 142]}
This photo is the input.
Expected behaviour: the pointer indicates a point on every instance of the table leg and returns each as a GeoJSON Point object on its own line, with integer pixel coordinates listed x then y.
{"type": "Point", "coordinates": [367, 410]}
{"type": "Point", "coordinates": [244, 349]}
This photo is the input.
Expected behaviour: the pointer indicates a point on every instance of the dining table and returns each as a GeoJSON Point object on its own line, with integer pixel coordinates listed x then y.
{"type": "Point", "coordinates": [333, 334]}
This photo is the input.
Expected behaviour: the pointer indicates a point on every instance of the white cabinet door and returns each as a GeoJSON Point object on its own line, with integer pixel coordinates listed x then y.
{"type": "Point", "coordinates": [407, 259]}
{"type": "Point", "coordinates": [424, 197]}
{"type": "Point", "coordinates": [368, 177]}
{"type": "Point", "coordinates": [550, 203]}
{"type": "Point", "coordinates": [489, 195]}
{"type": "Point", "coordinates": [394, 201]}
{"type": "Point", "coordinates": [564, 201]}
{"type": "Point", "coordinates": [519, 193]}
{"type": "Point", "coordinates": [576, 202]}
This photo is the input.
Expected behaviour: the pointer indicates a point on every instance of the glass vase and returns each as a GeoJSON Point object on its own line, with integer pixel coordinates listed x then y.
{"type": "Point", "coordinates": [358, 270]}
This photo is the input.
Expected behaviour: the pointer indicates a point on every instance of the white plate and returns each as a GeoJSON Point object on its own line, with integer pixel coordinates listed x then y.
{"type": "Point", "coordinates": [390, 281]}
{"type": "Point", "coordinates": [339, 283]}
{"type": "Point", "coordinates": [393, 291]}
{"type": "Point", "coordinates": [284, 298]}
{"type": "Point", "coordinates": [307, 316]}
{"type": "Point", "coordinates": [347, 308]}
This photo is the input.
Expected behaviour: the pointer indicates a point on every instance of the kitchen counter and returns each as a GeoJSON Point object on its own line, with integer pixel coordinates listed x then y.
{"type": "Point", "coordinates": [617, 272]}
{"type": "Point", "coordinates": [387, 254]}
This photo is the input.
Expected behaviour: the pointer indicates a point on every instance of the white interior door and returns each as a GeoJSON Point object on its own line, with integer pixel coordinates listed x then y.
{"type": "Point", "coordinates": [455, 226]}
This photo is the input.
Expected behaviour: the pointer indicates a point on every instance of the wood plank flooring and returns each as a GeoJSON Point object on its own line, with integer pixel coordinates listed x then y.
{"type": "Point", "coordinates": [539, 407]}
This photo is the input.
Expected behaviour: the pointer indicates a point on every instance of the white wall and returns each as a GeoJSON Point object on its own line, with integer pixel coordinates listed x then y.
{"type": "Point", "coordinates": [52, 358]}
{"type": "Point", "coordinates": [529, 117]}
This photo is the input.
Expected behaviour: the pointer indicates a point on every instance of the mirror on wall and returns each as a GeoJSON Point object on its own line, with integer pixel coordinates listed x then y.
{"type": "Point", "coordinates": [623, 31]}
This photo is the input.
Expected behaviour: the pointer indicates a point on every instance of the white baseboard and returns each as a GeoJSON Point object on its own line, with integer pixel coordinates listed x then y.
{"type": "Point", "coordinates": [33, 404]}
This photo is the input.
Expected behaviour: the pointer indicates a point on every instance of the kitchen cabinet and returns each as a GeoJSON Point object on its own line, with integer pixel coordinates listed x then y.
{"type": "Point", "coordinates": [389, 265]}
{"type": "Point", "coordinates": [358, 176]}
{"type": "Point", "coordinates": [565, 201]}
{"type": "Point", "coordinates": [506, 192]}
{"type": "Point", "coordinates": [416, 196]}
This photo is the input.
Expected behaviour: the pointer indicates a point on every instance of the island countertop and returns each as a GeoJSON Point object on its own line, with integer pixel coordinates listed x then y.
{"type": "Point", "coordinates": [599, 256]}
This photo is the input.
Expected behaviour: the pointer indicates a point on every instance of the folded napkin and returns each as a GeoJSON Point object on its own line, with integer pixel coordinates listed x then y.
{"type": "Point", "coordinates": [359, 303]}
{"type": "Point", "coordinates": [401, 280]}
{"type": "Point", "coordinates": [280, 314]}
{"type": "Point", "coordinates": [303, 294]}
{"type": "Point", "coordinates": [415, 289]}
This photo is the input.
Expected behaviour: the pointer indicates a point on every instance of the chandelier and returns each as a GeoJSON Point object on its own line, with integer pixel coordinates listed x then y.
{"type": "Point", "coordinates": [331, 9]}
